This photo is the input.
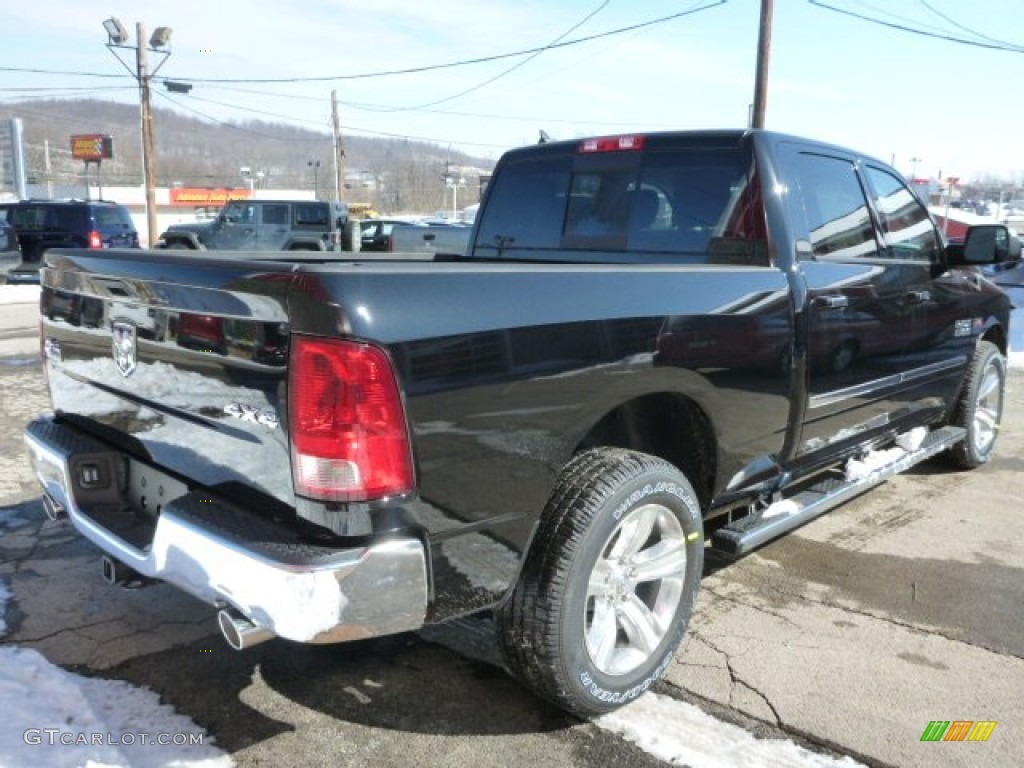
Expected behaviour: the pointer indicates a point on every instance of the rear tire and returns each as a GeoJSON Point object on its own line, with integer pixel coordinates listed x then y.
{"type": "Point", "coordinates": [980, 408]}
{"type": "Point", "coordinates": [609, 584]}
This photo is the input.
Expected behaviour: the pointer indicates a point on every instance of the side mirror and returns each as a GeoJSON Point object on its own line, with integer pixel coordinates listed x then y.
{"type": "Point", "coordinates": [985, 244]}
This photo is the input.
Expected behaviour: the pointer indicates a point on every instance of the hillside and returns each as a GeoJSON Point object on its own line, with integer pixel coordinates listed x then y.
{"type": "Point", "coordinates": [392, 173]}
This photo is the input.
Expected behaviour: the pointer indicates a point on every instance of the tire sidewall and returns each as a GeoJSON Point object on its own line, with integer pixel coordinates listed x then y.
{"type": "Point", "coordinates": [602, 691]}
{"type": "Point", "coordinates": [987, 355]}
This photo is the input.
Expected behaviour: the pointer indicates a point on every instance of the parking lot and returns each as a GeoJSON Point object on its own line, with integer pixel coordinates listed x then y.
{"type": "Point", "coordinates": [847, 638]}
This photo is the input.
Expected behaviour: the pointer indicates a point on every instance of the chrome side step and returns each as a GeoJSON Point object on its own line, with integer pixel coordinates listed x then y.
{"type": "Point", "coordinates": [745, 534]}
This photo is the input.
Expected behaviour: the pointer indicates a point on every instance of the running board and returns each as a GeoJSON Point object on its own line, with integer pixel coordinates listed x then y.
{"type": "Point", "coordinates": [747, 534]}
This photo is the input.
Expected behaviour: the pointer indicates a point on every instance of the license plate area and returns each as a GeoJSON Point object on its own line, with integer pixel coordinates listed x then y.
{"type": "Point", "coordinates": [122, 495]}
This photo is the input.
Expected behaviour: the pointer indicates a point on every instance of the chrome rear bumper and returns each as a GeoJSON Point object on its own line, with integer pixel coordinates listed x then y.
{"type": "Point", "coordinates": [226, 556]}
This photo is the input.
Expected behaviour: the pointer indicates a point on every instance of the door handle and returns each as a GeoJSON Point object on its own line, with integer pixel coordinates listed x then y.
{"type": "Point", "coordinates": [917, 297]}
{"type": "Point", "coordinates": [831, 302]}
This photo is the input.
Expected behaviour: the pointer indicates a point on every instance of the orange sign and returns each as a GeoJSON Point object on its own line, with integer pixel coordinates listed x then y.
{"type": "Point", "coordinates": [92, 146]}
{"type": "Point", "coordinates": [206, 196]}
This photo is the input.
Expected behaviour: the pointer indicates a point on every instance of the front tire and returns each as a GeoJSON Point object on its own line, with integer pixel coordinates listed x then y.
{"type": "Point", "coordinates": [609, 584]}
{"type": "Point", "coordinates": [980, 408]}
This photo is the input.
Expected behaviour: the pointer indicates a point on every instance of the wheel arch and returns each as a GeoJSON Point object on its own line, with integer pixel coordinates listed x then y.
{"type": "Point", "coordinates": [996, 334]}
{"type": "Point", "coordinates": [668, 425]}
{"type": "Point", "coordinates": [188, 239]}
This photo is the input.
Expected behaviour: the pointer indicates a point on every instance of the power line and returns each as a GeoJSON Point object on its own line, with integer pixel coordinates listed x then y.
{"type": "Point", "coordinates": [903, 28]}
{"type": "Point", "coordinates": [462, 62]}
{"type": "Point", "coordinates": [518, 64]}
{"type": "Point", "coordinates": [236, 127]}
{"type": "Point", "coordinates": [60, 72]}
{"type": "Point", "coordinates": [963, 28]}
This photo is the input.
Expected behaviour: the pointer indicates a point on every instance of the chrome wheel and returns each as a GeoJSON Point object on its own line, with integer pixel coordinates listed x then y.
{"type": "Point", "coordinates": [634, 589]}
{"type": "Point", "coordinates": [988, 406]}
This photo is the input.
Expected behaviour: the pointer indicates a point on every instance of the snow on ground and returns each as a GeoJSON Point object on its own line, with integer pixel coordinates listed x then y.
{"type": "Point", "coordinates": [61, 720]}
{"type": "Point", "coordinates": [682, 734]}
{"type": "Point", "coordinates": [58, 719]}
{"type": "Point", "coordinates": [19, 294]}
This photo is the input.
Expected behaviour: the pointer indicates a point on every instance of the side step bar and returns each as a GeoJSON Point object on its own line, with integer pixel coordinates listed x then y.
{"type": "Point", "coordinates": [783, 516]}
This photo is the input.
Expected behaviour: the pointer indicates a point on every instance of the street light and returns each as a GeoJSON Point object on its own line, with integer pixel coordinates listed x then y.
{"type": "Point", "coordinates": [315, 165]}
{"type": "Point", "coordinates": [118, 37]}
{"type": "Point", "coordinates": [452, 183]}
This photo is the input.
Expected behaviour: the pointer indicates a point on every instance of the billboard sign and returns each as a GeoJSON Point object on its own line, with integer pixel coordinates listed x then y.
{"type": "Point", "coordinates": [205, 196]}
{"type": "Point", "coordinates": [92, 147]}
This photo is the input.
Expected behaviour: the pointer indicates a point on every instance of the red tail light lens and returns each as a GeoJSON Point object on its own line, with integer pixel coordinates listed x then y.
{"type": "Point", "coordinates": [95, 240]}
{"type": "Point", "coordinates": [349, 437]}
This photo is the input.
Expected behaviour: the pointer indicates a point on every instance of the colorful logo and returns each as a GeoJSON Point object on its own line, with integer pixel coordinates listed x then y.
{"type": "Point", "coordinates": [958, 730]}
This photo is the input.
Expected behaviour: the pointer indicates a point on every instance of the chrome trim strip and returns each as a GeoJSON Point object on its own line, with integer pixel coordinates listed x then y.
{"type": "Point", "coordinates": [859, 390]}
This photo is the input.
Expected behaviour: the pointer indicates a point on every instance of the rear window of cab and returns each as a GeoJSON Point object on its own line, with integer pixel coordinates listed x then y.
{"type": "Point", "coordinates": [697, 205]}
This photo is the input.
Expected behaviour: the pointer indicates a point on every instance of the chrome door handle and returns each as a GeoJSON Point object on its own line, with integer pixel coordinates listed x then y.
{"type": "Point", "coordinates": [831, 302]}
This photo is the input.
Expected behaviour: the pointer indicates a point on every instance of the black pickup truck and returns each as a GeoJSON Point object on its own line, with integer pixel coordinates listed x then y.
{"type": "Point", "coordinates": [653, 344]}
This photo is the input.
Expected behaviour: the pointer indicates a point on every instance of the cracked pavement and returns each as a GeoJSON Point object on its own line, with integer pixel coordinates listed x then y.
{"type": "Point", "coordinates": [898, 608]}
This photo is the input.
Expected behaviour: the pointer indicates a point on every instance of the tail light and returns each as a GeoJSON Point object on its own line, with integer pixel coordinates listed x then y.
{"type": "Point", "coordinates": [391, 243]}
{"type": "Point", "coordinates": [349, 436]}
{"type": "Point", "coordinates": [611, 144]}
{"type": "Point", "coordinates": [95, 240]}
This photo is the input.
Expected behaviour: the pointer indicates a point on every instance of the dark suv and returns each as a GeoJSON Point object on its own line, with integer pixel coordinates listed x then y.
{"type": "Point", "coordinates": [269, 225]}
{"type": "Point", "coordinates": [40, 225]}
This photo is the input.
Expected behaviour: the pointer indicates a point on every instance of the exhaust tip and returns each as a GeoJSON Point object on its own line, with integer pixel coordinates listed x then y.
{"type": "Point", "coordinates": [52, 509]}
{"type": "Point", "coordinates": [239, 632]}
{"type": "Point", "coordinates": [117, 574]}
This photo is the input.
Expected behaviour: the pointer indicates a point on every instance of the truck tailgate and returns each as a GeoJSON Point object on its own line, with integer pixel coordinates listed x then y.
{"type": "Point", "coordinates": [186, 372]}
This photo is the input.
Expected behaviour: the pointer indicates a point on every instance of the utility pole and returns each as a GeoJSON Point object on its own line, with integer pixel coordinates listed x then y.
{"type": "Point", "coordinates": [118, 37]}
{"type": "Point", "coordinates": [339, 149]}
{"type": "Point", "coordinates": [148, 162]}
{"type": "Point", "coordinates": [764, 50]}
{"type": "Point", "coordinates": [49, 175]}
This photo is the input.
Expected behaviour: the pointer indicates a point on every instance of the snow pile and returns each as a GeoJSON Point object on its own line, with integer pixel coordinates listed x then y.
{"type": "Point", "coordinates": [61, 720]}
{"type": "Point", "coordinates": [682, 734]}
{"type": "Point", "coordinates": [871, 462]}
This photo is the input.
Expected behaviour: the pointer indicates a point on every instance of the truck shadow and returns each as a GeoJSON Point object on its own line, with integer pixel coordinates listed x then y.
{"type": "Point", "coordinates": [402, 683]}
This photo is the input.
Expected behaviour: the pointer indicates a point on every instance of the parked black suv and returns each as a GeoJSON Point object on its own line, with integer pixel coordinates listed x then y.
{"type": "Point", "coordinates": [43, 224]}
{"type": "Point", "coordinates": [269, 225]}
{"type": "Point", "coordinates": [10, 253]}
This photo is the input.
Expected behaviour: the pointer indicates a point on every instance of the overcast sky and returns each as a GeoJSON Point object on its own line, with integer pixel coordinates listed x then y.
{"type": "Point", "coordinates": [897, 95]}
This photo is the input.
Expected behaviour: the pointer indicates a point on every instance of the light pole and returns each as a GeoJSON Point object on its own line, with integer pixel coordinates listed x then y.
{"type": "Point", "coordinates": [117, 37]}
{"type": "Point", "coordinates": [315, 165]}
{"type": "Point", "coordinates": [454, 184]}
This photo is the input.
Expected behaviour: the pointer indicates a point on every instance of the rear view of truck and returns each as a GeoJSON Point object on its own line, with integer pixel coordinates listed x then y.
{"type": "Point", "coordinates": [182, 412]}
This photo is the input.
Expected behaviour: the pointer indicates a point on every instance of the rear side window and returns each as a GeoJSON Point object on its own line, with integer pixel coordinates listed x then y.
{"type": "Point", "coordinates": [311, 215]}
{"type": "Point", "coordinates": [275, 215]}
{"type": "Point", "coordinates": [698, 205]}
{"type": "Point", "coordinates": [835, 210]}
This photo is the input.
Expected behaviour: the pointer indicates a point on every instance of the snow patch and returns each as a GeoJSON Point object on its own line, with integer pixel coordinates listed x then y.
{"type": "Point", "coordinates": [682, 734]}
{"type": "Point", "coordinates": [91, 722]}
{"type": "Point", "coordinates": [871, 462]}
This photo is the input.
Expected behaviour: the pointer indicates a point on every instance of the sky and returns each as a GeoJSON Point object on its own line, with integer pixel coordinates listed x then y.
{"type": "Point", "coordinates": [931, 106]}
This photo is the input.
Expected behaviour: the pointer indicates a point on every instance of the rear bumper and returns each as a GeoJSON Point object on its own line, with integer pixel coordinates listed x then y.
{"type": "Point", "coordinates": [226, 556]}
